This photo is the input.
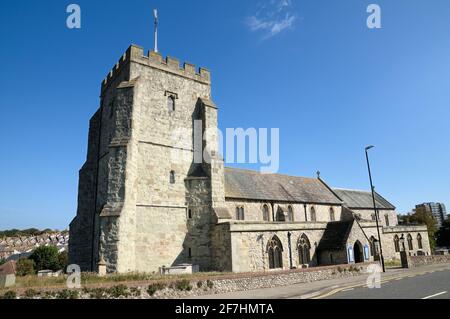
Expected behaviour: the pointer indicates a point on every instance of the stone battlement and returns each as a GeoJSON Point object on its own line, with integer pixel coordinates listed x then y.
{"type": "Point", "coordinates": [155, 60]}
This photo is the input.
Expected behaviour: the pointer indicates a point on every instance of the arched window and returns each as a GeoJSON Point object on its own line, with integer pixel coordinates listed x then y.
{"type": "Point", "coordinates": [240, 213]}
{"type": "Point", "coordinates": [410, 242]}
{"type": "Point", "coordinates": [171, 103]}
{"type": "Point", "coordinates": [397, 244]}
{"type": "Point", "coordinates": [275, 253]}
{"type": "Point", "coordinates": [332, 216]}
{"type": "Point", "coordinates": [304, 247]}
{"type": "Point", "coordinates": [172, 177]}
{"type": "Point", "coordinates": [266, 213]}
{"type": "Point", "coordinates": [386, 218]}
{"type": "Point", "coordinates": [290, 213]}
{"type": "Point", "coordinates": [419, 241]}
{"type": "Point", "coordinates": [374, 217]}
{"type": "Point", "coordinates": [313, 214]}
{"type": "Point", "coordinates": [280, 215]}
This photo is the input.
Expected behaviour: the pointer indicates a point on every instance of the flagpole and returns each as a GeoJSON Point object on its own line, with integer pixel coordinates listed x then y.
{"type": "Point", "coordinates": [155, 15]}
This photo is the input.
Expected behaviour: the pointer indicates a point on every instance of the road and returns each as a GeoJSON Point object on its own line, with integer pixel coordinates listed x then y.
{"type": "Point", "coordinates": [432, 285]}
{"type": "Point", "coordinates": [431, 282]}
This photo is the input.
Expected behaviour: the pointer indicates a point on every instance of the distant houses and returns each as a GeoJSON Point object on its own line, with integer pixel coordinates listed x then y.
{"type": "Point", "coordinates": [14, 248]}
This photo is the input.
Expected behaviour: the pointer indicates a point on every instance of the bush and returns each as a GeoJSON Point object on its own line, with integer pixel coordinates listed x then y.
{"type": "Point", "coordinates": [10, 295]}
{"type": "Point", "coordinates": [46, 258]}
{"type": "Point", "coordinates": [96, 293]}
{"type": "Point", "coordinates": [199, 284]}
{"type": "Point", "coordinates": [118, 291]}
{"type": "Point", "coordinates": [153, 288]}
{"type": "Point", "coordinates": [135, 292]}
{"type": "Point", "coordinates": [67, 294]}
{"type": "Point", "coordinates": [183, 285]}
{"type": "Point", "coordinates": [50, 295]}
{"type": "Point", "coordinates": [25, 267]}
{"type": "Point", "coordinates": [2, 261]}
{"type": "Point", "coordinates": [210, 284]}
{"type": "Point", "coordinates": [30, 293]}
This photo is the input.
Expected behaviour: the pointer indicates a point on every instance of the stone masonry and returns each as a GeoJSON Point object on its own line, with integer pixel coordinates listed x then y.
{"type": "Point", "coordinates": [145, 202]}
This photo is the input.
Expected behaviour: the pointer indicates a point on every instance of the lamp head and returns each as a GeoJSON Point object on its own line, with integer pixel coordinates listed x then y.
{"type": "Point", "coordinates": [369, 147]}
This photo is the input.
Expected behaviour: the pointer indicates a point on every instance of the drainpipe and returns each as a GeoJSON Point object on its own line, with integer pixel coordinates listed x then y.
{"type": "Point", "coordinates": [306, 213]}
{"type": "Point", "coordinates": [273, 211]}
{"type": "Point", "coordinates": [290, 249]}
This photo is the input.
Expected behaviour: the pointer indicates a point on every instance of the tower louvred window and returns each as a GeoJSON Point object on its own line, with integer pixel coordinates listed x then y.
{"type": "Point", "coordinates": [171, 103]}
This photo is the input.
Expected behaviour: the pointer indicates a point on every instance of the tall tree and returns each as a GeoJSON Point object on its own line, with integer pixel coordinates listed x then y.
{"type": "Point", "coordinates": [46, 258]}
{"type": "Point", "coordinates": [443, 234]}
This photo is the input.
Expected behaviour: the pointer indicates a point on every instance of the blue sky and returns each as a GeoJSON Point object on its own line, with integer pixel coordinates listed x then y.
{"type": "Point", "coordinates": [311, 68]}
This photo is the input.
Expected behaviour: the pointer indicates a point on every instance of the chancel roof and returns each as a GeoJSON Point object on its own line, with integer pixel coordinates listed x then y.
{"type": "Point", "coordinates": [252, 185]}
{"type": "Point", "coordinates": [356, 199]}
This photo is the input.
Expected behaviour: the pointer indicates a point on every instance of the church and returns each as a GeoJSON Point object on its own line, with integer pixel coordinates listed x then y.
{"type": "Point", "coordinates": [140, 211]}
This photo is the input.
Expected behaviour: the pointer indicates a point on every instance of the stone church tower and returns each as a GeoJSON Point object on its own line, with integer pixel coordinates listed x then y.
{"type": "Point", "coordinates": [139, 206]}
{"type": "Point", "coordinates": [154, 193]}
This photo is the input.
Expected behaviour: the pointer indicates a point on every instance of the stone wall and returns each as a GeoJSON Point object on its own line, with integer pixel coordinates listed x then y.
{"type": "Point", "coordinates": [367, 214]}
{"type": "Point", "coordinates": [82, 228]}
{"type": "Point", "coordinates": [243, 282]}
{"type": "Point", "coordinates": [417, 261]}
{"type": "Point", "coordinates": [221, 247]}
{"type": "Point", "coordinates": [249, 242]}
{"type": "Point", "coordinates": [254, 210]}
{"type": "Point", "coordinates": [138, 220]}
{"type": "Point", "coordinates": [388, 234]}
{"type": "Point", "coordinates": [164, 233]}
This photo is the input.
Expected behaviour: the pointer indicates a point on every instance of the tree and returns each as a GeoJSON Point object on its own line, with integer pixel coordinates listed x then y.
{"type": "Point", "coordinates": [443, 235]}
{"type": "Point", "coordinates": [423, 217]}
{"type": "Point", "coordinates": [63, 259]}
{"type": "Point", "coordinates": [2, 261]}
{"type": "Point", "coordinates": [46, 258]}
{"type": "Point", "coordinates": [25, 267]}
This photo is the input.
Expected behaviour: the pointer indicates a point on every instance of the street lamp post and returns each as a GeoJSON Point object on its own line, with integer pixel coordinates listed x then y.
{"type": "Point", "coordinates": [375, 207]}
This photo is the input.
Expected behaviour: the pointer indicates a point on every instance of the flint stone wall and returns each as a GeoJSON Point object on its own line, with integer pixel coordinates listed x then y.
{"type": "Point", "coordinates": [417, 261]}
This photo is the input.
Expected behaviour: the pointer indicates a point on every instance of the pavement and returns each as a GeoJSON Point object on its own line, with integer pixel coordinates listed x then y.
{"type": "Point", "coordinates": [433, 284]}
{"type": "Point", "coordinates": [428, 282]}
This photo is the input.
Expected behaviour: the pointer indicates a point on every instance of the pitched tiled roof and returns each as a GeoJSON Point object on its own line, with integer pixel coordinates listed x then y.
{"type": "Point", "coordinates": [335, 236]}
{"type": "Point", "coordinates": [244, 184]}
{"type": "Point", "coordinates": [355, 199]}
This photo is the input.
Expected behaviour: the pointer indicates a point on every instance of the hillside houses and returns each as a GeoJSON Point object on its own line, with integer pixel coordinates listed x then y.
{"type": "Point", "coordinates": [14, 248]}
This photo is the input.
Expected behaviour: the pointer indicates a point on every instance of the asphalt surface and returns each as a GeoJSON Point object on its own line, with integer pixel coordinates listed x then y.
{"type": "Point", "coordinates": [432, 285]}
{"type": "Point", "coordinates": [396, 283]}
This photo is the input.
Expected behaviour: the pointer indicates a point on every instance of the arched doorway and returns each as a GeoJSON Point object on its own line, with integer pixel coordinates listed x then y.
{"type": "Point", "coordinates": [358, 252]}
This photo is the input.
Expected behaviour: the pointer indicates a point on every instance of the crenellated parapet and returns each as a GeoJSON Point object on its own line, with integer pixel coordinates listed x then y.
{"type": "Point", "coordinates": [155, 60]}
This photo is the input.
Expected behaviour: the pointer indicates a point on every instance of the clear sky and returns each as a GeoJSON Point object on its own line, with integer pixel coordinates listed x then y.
{"type": "Point", "coordinates": [311, 68]}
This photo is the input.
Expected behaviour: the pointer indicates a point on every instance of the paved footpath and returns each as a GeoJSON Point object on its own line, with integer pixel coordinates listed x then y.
{"type": "Point", "coordinates": [356, 287]}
